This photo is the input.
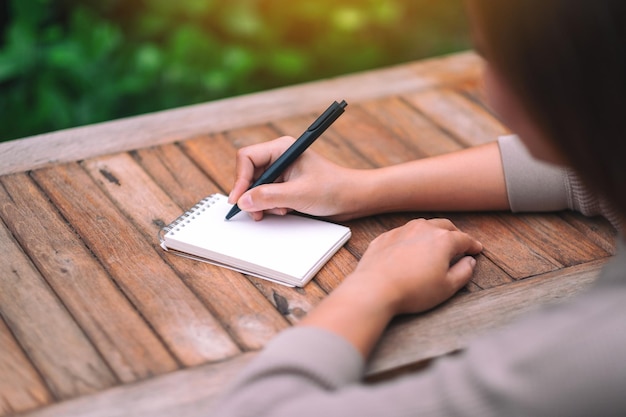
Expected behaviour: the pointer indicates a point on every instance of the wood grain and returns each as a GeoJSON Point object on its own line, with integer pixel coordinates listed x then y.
{"type": "Point", "coordinates": [411, 126]}
{"type": "Point", "coordinates": [170, 168]}
{"type": "Point", "coordinates": [558, 238]}
{"type": "Point", "coordinates": [331, 145]}
{"type": "Point", "coordinates": [175, 313]}
{"type": "Point", "coordinates": [65, 358]}
{"type": "Point", "coordinates": [126, 342]}
{"type": "Point", "coordinates": [466, 120]}
{"type": "Point", "coordinates": [596, 229]}
{"type": "Point", "coordinates": [21, 387]}
{"type": "Point", "coordinates": [373, 140]}
{"type": "Point", "coordinates": [185, 393]}
{"type": "Point", "coordinates": [247, 315]}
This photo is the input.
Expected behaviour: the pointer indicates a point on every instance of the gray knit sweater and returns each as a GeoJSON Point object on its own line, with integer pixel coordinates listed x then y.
{"type": "Point", "coordinates": [565, 360]}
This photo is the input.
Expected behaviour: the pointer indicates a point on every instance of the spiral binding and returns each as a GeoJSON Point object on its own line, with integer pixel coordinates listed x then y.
{"type": "Point", "coordinates": [187, 217]}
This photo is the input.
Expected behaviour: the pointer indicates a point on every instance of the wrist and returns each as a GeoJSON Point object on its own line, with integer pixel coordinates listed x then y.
{"type": "Point", "coordinates": [373, 293]}
{"type": "Point", "coordinates": [354, 311]}
{"type": "Point", "coordinates": [362, 193]}
{"type": "Point", "coordinates": [388, 189]}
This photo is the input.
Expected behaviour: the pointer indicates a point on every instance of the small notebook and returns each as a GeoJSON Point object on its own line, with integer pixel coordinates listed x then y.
{"type": "Point", "coordinates": [288, 249]}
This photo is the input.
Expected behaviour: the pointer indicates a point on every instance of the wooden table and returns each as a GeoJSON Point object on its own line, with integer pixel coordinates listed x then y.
{"type": "Point", "coordinates": [97, 320]}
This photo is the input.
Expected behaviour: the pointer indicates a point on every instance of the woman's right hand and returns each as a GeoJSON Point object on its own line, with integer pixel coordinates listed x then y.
{"type": "Point", "coordinates": [311, 185]}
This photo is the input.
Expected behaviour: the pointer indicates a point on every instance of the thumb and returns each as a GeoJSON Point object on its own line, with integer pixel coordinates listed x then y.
{"type": "Point", "coordinates": [461, 272]}
{"type": "Point", "coordinates": [268, 197]}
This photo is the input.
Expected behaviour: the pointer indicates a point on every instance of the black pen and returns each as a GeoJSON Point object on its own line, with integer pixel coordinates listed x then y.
{"type": "Point", "coordinates": [294, 151]}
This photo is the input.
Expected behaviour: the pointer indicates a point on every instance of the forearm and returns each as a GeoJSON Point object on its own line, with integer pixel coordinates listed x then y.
{"type": "Point", "coordinates": [354, 312]}
{"type": "Point", "coordinates": [467, 180]}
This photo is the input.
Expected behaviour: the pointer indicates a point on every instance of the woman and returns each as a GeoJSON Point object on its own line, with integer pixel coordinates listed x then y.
{"type": "Point", "coordinates": [556, 73]}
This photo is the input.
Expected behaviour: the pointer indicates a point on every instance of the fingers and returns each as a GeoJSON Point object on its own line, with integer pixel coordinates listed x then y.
{"type": "Point", "coordinates": [458, 241]}
{"type": "Point", "coordinates": [464, 243]}
{"type": "Point", "coordinates": [252, 160]}
{"type": "Point", "coordinates": [444, 238]}
{"type": "Point", "coordinates": [443, 224]}
{"type": "Point", "coordinates": [271, 197]}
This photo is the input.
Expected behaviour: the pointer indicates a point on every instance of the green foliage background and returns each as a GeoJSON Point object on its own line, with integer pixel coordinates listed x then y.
{"type": "Point", "coordinates": [66, 63]}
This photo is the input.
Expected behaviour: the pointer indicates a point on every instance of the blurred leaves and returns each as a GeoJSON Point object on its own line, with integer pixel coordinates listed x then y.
{"type": "Point", "coordinates": [65, 63]}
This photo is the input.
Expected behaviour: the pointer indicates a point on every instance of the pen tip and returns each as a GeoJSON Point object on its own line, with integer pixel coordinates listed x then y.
{"type": "Point", "coordinates": [234, 210]}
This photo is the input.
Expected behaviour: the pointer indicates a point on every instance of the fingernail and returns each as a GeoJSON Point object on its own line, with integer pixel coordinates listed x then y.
{"type": "Point", "coordinates": [472, 262]}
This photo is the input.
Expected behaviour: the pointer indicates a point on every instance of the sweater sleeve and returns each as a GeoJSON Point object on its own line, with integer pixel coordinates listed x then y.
{"type": "Point", "coordinates": [533, 185]}
{"type": "Point", "coordinates": [563, 360]}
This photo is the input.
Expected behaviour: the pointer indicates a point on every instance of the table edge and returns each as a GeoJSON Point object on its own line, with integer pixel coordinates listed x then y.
{"type": "Point", "coordinates": [217, 116]}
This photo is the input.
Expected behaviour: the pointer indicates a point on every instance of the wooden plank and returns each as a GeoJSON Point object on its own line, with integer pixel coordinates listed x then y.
{"type": "Point", "coordinates": [528, 244]}
{"type": "Point", "coordinates": [128, 345]}
{"type": "Point", "coordinates": [175, 173]}
{"type": "Point", "coordinates": [475, 91]}
{"type": "Point", "coordinates": [185, 393]}
{"type": "Point", "coordinates": [54, 343]}
{"type": "Point", "coordinates": [215, 156]}
{"type": "Point", "coordinates": [21, 387]}
{"type": "Point", "coordinates": [331, 145]}
{"type": "Point", "coordinates": [488, 275]}
{"type": "Point", "coordinates": [596, 229]}
{"type": "Point", "coordinates": [517, 255]}
{"type": "Point", "coordinates": [373, 139]}
{"type": "Point", "coordinates": [411, 126]}
{"type": "Point", "coordinates": [191, 333]}
{"type": "Point", "coordinates": [407, 341]}
{"type": "Point", "coordinates": [185, 122]}
{"type": "Point", "coordinates": [357, 140]}
{"type": "Point", "coordinates": [466, 120]}
{"type": "Point", "coordinates": [453, 325]}
{"type": "Point", "coordinates": [293, 303]}
{"type": "Point", "coordinates": [250, 135]}
{"type": "Point", "coordinates": [556, 237]}
{"type": "Point", "coordinates": [250, 319]}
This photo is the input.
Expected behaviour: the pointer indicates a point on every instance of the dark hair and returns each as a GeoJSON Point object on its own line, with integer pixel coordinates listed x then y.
{"type": "Point", "coordinates": [566, 60]}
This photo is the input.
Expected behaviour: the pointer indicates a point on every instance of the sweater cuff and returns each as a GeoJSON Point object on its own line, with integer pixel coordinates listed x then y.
{"type": "Point", "coordinates": [532, 185]}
